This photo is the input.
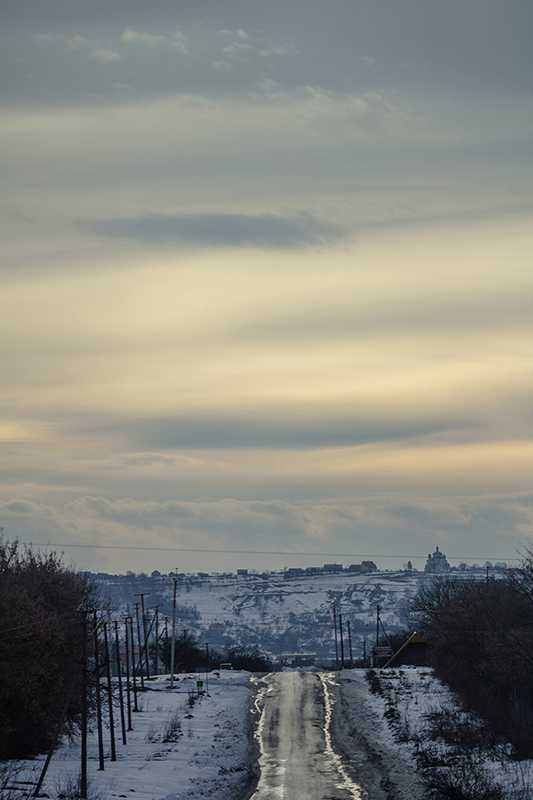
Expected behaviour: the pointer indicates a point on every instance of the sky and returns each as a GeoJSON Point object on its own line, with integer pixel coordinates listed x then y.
{"type": "Point", "coordinates": [267, 276]}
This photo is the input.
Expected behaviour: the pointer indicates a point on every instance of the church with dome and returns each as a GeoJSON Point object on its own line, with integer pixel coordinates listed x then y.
{"type": "Point", "coordinates": [437, 562]}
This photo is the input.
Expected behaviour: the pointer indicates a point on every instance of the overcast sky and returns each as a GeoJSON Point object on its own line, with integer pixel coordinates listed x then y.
{"type": "Point", "coordinates": [267, 279]}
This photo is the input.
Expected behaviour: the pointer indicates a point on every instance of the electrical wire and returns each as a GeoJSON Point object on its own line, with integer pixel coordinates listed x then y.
{"type": "Point", "coordinates": [257, 552]}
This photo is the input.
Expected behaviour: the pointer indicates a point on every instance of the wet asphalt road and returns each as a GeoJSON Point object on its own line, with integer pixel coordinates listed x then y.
{"type": "Point", "coordinates": [297, 761]}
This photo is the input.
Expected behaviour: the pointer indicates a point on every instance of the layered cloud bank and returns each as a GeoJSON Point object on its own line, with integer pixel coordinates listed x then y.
{"type": "Point", "coordinates": [222, 535]}
{"type": "Point", "coordinates": [270, 260]}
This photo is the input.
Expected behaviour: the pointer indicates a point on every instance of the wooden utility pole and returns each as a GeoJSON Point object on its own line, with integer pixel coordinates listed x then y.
{"type": "Point", "coordinates": [83, 769]}
{"type": "Point", "coordinates": [350, 644]}
{"type": "Point", "coordinates": [139, 663]}
{"type": "Point", "coordinates": [173, 638]}
{"type": "Point", "coordinates": [128, 685]}
{"type": "Point", "coordinates": [120, 692]}
{"type": "Point", "coordinates": [142, 595]}
{"type": "Point", "coordinates": [98, 699]}
{"type": "Point", "coordinates": [336, 643]}
{"type": "Point", "coordinates": [377, 637]}
{"type": "Point", "coordinates": [132, 643]}
{"type": "Point", "coordinates": [342, 641]}
{"type": "Point", "coordinates": [156, 654]}
{"type": "Point", "coordinates": [109, 695]}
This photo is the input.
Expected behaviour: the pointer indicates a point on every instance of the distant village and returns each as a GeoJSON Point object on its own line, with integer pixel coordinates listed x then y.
{"type": "Point", "coordinates": [436, 563]}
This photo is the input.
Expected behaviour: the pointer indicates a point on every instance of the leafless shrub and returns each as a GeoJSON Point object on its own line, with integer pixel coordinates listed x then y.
{"type": "Point", "coordinates": [11, 785]}
{"type": "Point", "coordinates": [68, 787]}
{"type": "Point", "coordinates": [374, 681]}
{"type": "Point", "coordinates": [464, 781]}
{"type": "Point", "coordinates": [172, 729]}
{"type": "Point", "coordinates": [153, 735]}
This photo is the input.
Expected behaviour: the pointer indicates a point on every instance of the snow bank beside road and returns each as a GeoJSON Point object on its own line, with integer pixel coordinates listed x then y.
{"type": "Point", "coordinates": [385, 768]}
{"type": "Point", "coordinates": [413, 728]}
{"type": "Point", "coordinates": [211, 755]}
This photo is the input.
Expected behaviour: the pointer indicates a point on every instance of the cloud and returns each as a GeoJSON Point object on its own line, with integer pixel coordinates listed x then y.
{"type": "Point", "coordinates": [212, 431]}
{"type": "Point", "coordinates": [145, 38]}
{"type": "Point", "coordinates": [79, 43]}
{"type": "Point", "coordinates": [223, 66]}
{"type": "Point", "coordinates": [465, 527]}
{"type": "Point", "coordinates": [487, 311]}
{"type": "Point", "coordinates": [105, 56]}
{"type": "Point", "coordinates": [236, 48]}
{"type": "Point", "coordinates": [287, 49]}
{"type": "Point", "coordinates": [180, 42]}
{"type": "Point", "coordinates": [223, 230]}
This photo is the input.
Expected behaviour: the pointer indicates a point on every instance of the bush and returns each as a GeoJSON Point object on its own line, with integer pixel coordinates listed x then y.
{"type": "Point", "coordinates": [40, 647]}
{"type": "Point", "coordinates": [249, 657]}
{"type": "Point", "coordinates": [464, 781]}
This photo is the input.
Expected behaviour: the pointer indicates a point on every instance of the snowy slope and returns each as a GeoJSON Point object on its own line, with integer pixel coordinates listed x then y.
{"type": "Point", "coordinates": [283, 616]}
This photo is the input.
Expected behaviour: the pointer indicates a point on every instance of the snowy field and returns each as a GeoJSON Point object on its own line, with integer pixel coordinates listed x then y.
{"type": "Point", "coordinates": [176, 751]}
{"type": "Point", "coordinates": [412, 729]}
{"type": "Point", "coordinates": [414, 724]}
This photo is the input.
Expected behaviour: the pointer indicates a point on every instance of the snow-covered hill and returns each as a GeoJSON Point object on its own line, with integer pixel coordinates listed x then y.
{"type": "Point", "coordinates": [282, 615]}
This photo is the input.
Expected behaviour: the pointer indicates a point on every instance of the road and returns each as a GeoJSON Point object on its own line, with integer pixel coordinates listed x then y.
{"type": "Point", "coordinates": [297, 760]}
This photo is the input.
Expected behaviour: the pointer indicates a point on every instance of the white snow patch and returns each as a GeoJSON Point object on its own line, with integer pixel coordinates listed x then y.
{"type": "Point", "coordinates": [211, 756]}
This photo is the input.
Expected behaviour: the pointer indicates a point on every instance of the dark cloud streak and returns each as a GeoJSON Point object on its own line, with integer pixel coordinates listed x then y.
{"type": "Point", "coordinates": [222, 230]}
{"type": "Point", "coordinates": [214, 432]}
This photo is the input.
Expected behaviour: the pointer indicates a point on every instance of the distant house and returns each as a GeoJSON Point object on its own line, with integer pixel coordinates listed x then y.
{"type": "Point", "coordinates": [242, 572]}
{"type": "Point", "coordinates": [437, 563]}
{"type": "Point", "coordinates": [412, 653]}
{"type": "Point", "coordinates": [365, 566]}
{"type": "Point", "coordinates": [293, 572]}
{"type": "Point", "coordinates": [332, 567]}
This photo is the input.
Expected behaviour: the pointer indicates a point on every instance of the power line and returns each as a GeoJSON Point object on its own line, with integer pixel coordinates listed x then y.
{"type": "Point", "coordinates": [40, 622]}
{"type": "Point", "coordinates": [260, 552]}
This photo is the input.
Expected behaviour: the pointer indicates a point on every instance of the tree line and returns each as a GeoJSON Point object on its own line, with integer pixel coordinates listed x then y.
{"type": "Point", "coordinates": [45, 658]}
{"type": "Point", "coordinates": [480, 643]}
{"type": "Point", "coordinates": [40, 647]}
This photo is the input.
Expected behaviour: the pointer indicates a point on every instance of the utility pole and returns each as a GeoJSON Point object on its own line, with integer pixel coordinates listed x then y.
{"type": "Point", "coordinates": [350, 644]}
{"type": "Point", "coordinates": [377, 637]}
{"type": "Point", "coordinates": [109, 695]}
{"type": "Point", "coordinates": [342, 641]}
{"type": "Point", "coordinates": [173, 638]}
{"type": "Point", "coordinates": [156, 655]}
{"type": "Point", "coordinates": [142, 595]}
{"type": "Point", "coordinates": [98, 699]}
{"type": "Point", "coordinates": [135, 706]}
{"type": "Point", "coordinates": [139, 662]}
{"type": "Point", "coordinates": [120, 692]}
{"type": "Point", "coordinates": [166, 649]}
{"type": "Point", "coordinates": [336, 643]}
{"type": "Point", "coordinates": [83, 770]}
{"type": "Point", "coordinates": [128, 684]}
